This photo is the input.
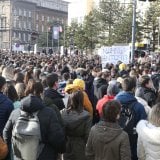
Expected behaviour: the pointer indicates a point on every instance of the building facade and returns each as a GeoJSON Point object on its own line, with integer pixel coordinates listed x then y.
{"type": "Point", "coordinates": [22, 21]}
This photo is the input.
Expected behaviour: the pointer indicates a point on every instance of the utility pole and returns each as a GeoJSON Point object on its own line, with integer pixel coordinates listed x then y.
{"type": "Point", "coordinates": [134, 3]}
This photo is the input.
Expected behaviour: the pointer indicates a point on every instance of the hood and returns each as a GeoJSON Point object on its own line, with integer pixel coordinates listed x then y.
{"type": "Point", "coordinates": [125, 97]}
{"type": "Point", "coordinates": [51, 93]}
{"type": "Point", "coordinates": [73, 119]}
{"type": "Point", "coordinates": [31, 104]}
{"type": "Point", "coordinates": [107, 132]}
{"type": "Point", "coordinates": [148, 132]}
{"type": "Point", "coordinates": [2, 97]}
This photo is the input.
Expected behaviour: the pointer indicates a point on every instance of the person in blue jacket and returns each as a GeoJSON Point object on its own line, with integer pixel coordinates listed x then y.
{"type": "Point", "coordinates": [6, 105]}
{"type": "Point", "coordinates": [126, 97]}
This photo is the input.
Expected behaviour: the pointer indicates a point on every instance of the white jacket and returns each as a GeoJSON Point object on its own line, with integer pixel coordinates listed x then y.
{"type": "Point", "coordinates": [148, 147]}
{"type": "Point", "coordinates": [145, 104]}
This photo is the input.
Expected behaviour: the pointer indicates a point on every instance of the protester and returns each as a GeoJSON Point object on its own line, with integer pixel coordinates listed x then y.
{"type": "Point", "coordinates": [148, 136]}
{"type": "Point", "coordinates": [51, 93]}
{"type": "Point", "coordinates": [146, 90]}
{"type": "Point", "coordinates": [107, 140]}
{"type": "Point", "coordinates": [77, 123]}
{"type": "Point", "coordinates": [51, 133]}
{"type": "Point", "coordinates": [136, 112]}
{"type": "Point", "coordinates": [6, 105]}
{"type": "Point", "coordinates": [112, 91]}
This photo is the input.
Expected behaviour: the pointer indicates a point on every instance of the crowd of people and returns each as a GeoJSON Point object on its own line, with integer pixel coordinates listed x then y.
{"type": "Point", "coordinates": [67, 107]}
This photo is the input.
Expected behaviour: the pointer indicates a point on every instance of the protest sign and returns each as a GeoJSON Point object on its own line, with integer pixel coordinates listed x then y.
{"type": "Point", "coordinates": [114, 54]}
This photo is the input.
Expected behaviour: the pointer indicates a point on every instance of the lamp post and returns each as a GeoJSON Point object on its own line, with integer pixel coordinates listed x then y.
{"type": "Point", "coordinates": [134, 3]}
{"type": "Point", "coordinates": [158, 18]}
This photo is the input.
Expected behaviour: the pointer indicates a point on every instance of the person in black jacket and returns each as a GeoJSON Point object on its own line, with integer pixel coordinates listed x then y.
{"type": "Point", "coordinates": [53, 136]}
{"type": "Point", "coordinates": [146, 90]}
{"type": "Point", "coordinates": [51, 94]}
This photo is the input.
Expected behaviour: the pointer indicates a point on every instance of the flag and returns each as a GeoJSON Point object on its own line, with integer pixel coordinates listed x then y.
{"type": "Point", "coordinates": [55, 33]}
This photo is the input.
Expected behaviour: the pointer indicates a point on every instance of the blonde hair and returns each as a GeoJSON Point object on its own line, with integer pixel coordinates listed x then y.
{"type": "Point", "coordinates": [154, 116]}
{"type": "Point", "coordinates": [20, 88]}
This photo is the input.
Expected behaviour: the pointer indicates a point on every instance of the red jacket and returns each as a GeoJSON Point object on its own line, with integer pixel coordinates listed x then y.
{"type": "Point", "coordinates": [102, 101]}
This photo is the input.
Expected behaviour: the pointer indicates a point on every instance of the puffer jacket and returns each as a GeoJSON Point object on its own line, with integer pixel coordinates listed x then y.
{"type": "Point", "coordinates": [77, 127]}
{"type": "Point", "coordinates": [126, 98]}
{"type": "Point", "coordinates": [51, 131]}
{"type": "Point", "coordinates": [148, 141]}
{"type": "Point", "coordinates": [6, 107]}
{"type": "Point", "coordinates": [107, 141]}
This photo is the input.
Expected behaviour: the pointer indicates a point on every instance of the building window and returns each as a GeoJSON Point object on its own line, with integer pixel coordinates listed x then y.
{"type": "Point", "coordinates": [42, 18]}
{"type": "Point", "coordinates": [25, 26]}
{"type": "Point", "coordinates": [14, 23]}
{"type": "Point", "coordinates": [24, 37]}
{"type": "Point", "coordinates": [29, 37]}
{"type": "Point", "coordinates": [36, 27]}
{"type": "Point", "coordinates": [15, 12]}
{"type": "Point", "coordinates": [20, 36]}
{"type": "Point", "coordinates": [48, 19]}
{"type": "Point", "coordinates": [29, 25]}
{"type": "Point", "coordinates": [42, 28]}
{"type": "Point", "coordinates": [37, 17]}
{"type": "Point", "coordinates": [25, 13]}
{"type": "Point", "coordinates": [29, 14]}
{"type": "Point", "coordinates": [19, 24]}
{"type": "Point", "coordinates": [14, 34]}
{"type": "Point", "coordinates": [20, 12]}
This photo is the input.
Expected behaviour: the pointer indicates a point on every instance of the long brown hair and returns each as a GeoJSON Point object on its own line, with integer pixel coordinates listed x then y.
{"type": "Point", "coordinates": [75, 101]}
{"type": "Point", "coordinates": [34, 88]}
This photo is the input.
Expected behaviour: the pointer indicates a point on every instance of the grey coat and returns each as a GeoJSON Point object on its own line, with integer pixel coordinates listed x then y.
{"type": "Point", "coordinates": [77, 127]}
{"type": "Point", "coordinates": [107, 141]}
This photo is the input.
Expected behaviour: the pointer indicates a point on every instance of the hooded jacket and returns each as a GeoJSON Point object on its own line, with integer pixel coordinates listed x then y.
{"type": "Point", "coordinates": [56, 97]}
{"type": "Point", "coordinates": [126, 98]}
{"type": "Point", "coordinates": [107, 141]}
{"type": "Point", "coordinates": [51, 131]}
{"type": "Point", "coordinates": [6, 107]}
{"type": "Point", "coordinates": [77, 127]}
{"type": "Point", "coordinates": [148, 141]}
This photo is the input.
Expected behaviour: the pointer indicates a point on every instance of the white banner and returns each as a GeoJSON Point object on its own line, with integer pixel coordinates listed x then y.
{"type": "Point", "coordinates": [114, 54]}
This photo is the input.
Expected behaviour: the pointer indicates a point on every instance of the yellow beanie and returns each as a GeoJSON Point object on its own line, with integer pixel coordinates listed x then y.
{"type": "Point", "coordinates": [79, 83]}
{"type": "Point", "coordinates": [70, 88]}
{"type": "Point", "coordinates": [122, 66]}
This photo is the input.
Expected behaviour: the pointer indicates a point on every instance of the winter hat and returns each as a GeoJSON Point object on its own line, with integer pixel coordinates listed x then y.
{"type": "Point", "coordinates": [122, 66]}
{"type": "Point", "coordinates": [79, 83]}
{"type": "Point", "coordinates": [70, 88]}
{"type": "Point", "coordinates": [112, 90]}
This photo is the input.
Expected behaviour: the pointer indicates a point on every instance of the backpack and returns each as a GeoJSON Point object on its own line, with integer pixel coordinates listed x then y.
{"type": "Point", "coordinates": [127, 118]}
{"type": "Point", "coordinates": [26, 136]}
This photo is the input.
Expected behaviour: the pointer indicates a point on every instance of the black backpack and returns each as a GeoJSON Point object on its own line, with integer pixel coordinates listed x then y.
{"type": "Point", "coordinates": [127, 118]}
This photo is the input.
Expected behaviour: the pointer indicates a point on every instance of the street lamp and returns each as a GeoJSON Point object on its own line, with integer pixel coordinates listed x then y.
{"type": "Point", "coordinates": [133, 30]}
